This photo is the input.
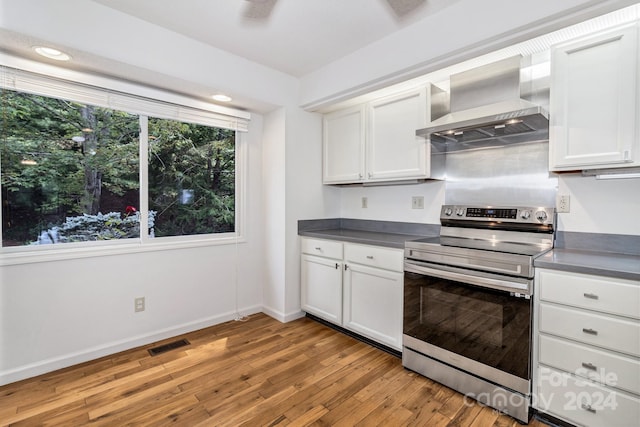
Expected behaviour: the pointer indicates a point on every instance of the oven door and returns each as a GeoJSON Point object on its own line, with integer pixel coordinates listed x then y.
{"type": "Point", "coordinates": [470, 320]}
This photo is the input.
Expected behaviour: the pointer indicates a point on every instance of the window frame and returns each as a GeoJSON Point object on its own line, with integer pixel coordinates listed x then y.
{"type": "Point", "coordinates": [189, 110]}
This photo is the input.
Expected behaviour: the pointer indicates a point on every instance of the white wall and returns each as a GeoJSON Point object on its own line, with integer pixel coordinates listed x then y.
{"type": "Point", "coordinates": [393, 202]}
{"type": "Point", "coordinates": [273, 188]}
{"type": "Point", "coordinates": [54, 314]}
{"type": "Point", "coordinates": [600, 206]}
{"type": "Point", "coordinates": [593, 202]}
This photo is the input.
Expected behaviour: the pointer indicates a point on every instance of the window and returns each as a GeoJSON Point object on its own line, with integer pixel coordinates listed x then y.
{"type": "Point", "coordinates": [68, 171]}
{"type": "Point", "coordinates": [191, 178]}
{"type": "Point", "coordinates": [71, 170]}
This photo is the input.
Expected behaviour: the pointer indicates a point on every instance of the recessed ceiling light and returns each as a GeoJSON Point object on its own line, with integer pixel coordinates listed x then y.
{"type": "Point", "coordinates": [221, 97]}
{"type": "Point", "coordinates": [52, 53]}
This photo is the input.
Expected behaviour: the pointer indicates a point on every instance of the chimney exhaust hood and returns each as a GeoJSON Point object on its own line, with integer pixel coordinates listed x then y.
{"type": "Point", "coordinates": [486, 105]}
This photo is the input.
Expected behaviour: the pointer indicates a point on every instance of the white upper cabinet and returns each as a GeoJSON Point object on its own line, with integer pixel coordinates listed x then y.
{"type": "Point", "coordinates": [343, 146]}
{"type": "Point", "coordinates": [377, 141]}
{"type": "Point", "coordinates": [393, 150]}
{"type": "Point", "coordinates": [594, 102]}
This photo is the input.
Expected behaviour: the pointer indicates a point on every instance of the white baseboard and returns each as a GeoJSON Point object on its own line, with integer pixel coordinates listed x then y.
{"type": "Point", "coordinates": [282, 317]}
{"type": "Point", "coordinates": [53, 364]}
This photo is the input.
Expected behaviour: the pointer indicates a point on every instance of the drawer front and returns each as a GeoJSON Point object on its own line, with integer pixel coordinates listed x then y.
{"type": "Point", "coordinates": [324, 248]}
{"type": "Point", "coordinates": [591, 328]}
{"type": "Point", "coordinates": [374, 256]}
{"type": "Point", "coordinates": [616, 296]}
{"type": "Point", "coordinates": [584, 403]}
{"type": "Point", "coordinates": [588, 362]}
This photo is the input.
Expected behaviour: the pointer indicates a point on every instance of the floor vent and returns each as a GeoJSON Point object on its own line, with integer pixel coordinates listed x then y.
{"type": "Point", "coordinates": [166, 347]}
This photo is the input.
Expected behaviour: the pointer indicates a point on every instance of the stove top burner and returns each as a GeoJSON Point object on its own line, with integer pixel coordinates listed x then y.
{"type": "Point", "coordinates": [503, 240]}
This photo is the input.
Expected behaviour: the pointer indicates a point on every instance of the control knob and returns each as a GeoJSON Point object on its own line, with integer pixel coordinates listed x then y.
{"type": "Point", "coordinates": [460, 211]}
{"type": "Point", "coordinates": [525, 214]}
{"type": "Point", "coordinates": [541, 216]}
{"type": "Point", "coordinates": [448, 211]}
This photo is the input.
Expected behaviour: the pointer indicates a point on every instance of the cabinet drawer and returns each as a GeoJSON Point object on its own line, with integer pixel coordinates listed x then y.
{"type": "Point", "coordinates": [585, 361]}
{"type": "Point", "coordinates": [591, 328]}
{"type": "Point", "coordinates": [324, 248]}
{"type": "Point", "coordinates": [387, 258]}
{"type": "Point", "coordinates": [583, 403]}
{"type": "Point", "coordinates": [616, 296]}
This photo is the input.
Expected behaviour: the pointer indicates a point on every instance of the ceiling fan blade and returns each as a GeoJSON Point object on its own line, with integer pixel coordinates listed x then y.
{"type": "Point", "coordinates": [402, 8]}
{"type": "Point", "coordinates": [258, 9]}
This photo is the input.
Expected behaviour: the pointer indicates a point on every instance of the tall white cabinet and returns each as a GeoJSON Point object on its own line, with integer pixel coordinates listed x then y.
{"type": "Point", "coordinates": [358, 287]}
{"type": "Point", "coordinates": [594, 98]}
{"type": "Point", "coordinates": [377, 141]}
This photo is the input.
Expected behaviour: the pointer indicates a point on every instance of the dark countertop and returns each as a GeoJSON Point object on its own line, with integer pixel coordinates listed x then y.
{"type": "Point", "coordinates": [367, 232]}
{"type": "Point", "coordinates": [377, 238]}
{"type": "Point", "coordinates": [602, 260]}
{"type": "Point", "coordinates": [608, 264]}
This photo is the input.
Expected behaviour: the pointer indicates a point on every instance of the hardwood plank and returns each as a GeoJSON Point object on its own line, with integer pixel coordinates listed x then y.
{"type": "Point", "coordinates": [486, 417]}
{"type": "Point", "coordinates": [308, 417]}
{"type": "Point", "coordinates": [254, 372]}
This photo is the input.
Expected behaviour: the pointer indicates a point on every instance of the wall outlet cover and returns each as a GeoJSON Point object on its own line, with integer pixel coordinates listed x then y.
{"type": "Point", "coordinates": [417, 202]}
{"type": "Point", "coordinates": [563, 203]}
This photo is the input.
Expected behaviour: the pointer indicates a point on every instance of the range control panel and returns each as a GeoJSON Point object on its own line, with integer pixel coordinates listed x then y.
{"type": "Point", "coordinates": [520, 214]}
{"type": "Point", "coordinates": [492, 213]}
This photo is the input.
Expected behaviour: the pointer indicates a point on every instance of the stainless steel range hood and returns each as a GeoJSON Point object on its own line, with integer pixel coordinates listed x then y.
{"type": "Point", "coordinates": [486, 104]}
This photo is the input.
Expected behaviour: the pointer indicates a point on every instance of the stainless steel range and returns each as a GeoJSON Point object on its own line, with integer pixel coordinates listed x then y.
{"type": "Point", "coordinates": [468, 305]}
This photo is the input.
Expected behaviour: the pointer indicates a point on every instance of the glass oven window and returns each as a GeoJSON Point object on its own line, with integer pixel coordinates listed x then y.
{"type": "Point", "coordinates": [488, 326]}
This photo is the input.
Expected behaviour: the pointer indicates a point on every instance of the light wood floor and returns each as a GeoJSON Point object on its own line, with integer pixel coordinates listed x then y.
{"type": "Point", "coordinates": [253, 372]}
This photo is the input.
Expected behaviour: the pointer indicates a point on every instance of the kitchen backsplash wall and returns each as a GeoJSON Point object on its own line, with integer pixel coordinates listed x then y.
{"type": "Point", "coordinates": [600, 206]}
{"type": "Point", "coordinates": [510, 175]}
{"type": "Point", "coordinates": [592, 203]}
{"type": "Point", "coordinates": [393, 202]}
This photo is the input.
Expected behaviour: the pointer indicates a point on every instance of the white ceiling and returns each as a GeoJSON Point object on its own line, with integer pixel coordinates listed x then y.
{"type": "Point", "coordinates": [318, 53]}
{"type": "Point", "coordinates": [296, 37]}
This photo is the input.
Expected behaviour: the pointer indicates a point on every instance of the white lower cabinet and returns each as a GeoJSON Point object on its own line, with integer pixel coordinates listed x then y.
{"type": "Point", "coordinates": [361, 291]}
{"type": "Point", "coordinates": [322, 287]}
{"type": "Point", "coordinates": [373, 303]}
{"type": "Point", "coordinates": [587, 348]}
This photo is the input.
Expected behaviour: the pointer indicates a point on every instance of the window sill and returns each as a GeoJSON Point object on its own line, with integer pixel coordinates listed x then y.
{"type": "Point", "coordinates": [61, 252]}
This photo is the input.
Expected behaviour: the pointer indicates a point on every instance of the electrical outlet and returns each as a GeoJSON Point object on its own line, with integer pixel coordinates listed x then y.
{"type": "Point", "coordinates": [138, 304]}
{"type": "Point", "coordinates": [417, 202]}
{"type": "Point", "coordinates": [562, 203]}
{"type": "Point", "coordinates": [365, 203]}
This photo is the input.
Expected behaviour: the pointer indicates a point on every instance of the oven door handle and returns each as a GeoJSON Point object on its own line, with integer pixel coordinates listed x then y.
{"type": "Point", "coordinates": [503, 285]}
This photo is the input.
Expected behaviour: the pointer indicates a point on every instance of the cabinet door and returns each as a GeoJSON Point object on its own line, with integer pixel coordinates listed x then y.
{"type": "Point", "coordinates": [321, 287]}
{"type": "Point", "coordinates": [593, 111]}
{"type": "Point", "coordinates": [394, 152]}
{"type": "Point", "coordinates": [343, 142]}
{"type": "Point", "coordinates": [373, 303]}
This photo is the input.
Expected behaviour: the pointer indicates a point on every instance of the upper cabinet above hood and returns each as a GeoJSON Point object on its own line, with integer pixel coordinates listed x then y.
{"type": "Point", "coordinates": [486, 103]}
